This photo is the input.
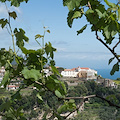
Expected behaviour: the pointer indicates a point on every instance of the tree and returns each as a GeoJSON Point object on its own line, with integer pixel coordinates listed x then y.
{"type": "Point", "coordinates": [103, 17]}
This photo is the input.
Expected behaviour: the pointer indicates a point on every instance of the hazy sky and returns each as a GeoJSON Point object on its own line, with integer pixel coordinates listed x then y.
{"type": "Point", "coordinates": [72, 51]}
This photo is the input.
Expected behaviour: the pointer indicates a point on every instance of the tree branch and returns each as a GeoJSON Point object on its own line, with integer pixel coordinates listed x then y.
{"type": "Point", "coordinates": [110, 103]}
{"type": "Point", "coordinates": [112, 51]}
{"type": "Point", "coordinates": [75, 109]}
{"type": "Point", "coordinates": [90, 96]}
{"type": "Point", "coordinates": [116, 45]}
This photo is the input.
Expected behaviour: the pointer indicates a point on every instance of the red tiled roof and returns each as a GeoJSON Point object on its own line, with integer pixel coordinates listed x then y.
{"type": "Point", "coordinates": [85, 68]}
{"type": "Point", "coordinates": [11, 86]}
{"type": "Point", "coordinates": [69, 69]}
{"type": "Point", "coordinates": [73, 69]}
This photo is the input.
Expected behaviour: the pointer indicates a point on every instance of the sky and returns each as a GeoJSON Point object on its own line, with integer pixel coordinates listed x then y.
{"type": "Point", "coordinates": [83, 50]}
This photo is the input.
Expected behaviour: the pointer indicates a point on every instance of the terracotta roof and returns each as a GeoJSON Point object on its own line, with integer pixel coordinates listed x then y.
{"type": "Point", "coordinates": [11, 86]}
{"type": "Point", "coordinates": [85, 68]}
{"type": "Point", "coordinates": [73, 69]}
{"type": "Point", "coordinates": [68, 70]}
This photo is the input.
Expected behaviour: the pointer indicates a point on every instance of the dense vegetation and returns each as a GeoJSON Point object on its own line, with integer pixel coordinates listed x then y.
{"type": "Point", "coordinates": [96, 108]}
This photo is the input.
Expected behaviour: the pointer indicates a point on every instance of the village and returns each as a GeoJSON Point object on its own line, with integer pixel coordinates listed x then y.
{"type": "Point", "coordinates": [72, 77]}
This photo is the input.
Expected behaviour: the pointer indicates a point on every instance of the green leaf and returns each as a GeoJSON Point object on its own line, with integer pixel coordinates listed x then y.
{"type": "Point", "coordinates": [110, 60]}
{"type": "Point", "coordinates": [16, 3]}
{"type": "Point", "coordinates": [58, 94]}
{"type": "Point", "coordinates": [109, 3]}
{"type": "Point", "coordinates": [49, 50]}
{"type": "Point", "coordinates": [92, 16]}
{"type": "Point", "coordinates": [67, 106]}
{"type": "Point", "coordinates": [20, 37]}
{"type": "Point", "coordinates": [118, 13]}
{"type": "Point", "coordinates": [115, 68]}
{"type": "Point", "coordinates": [110, 30]}
{"type": "Point", "coordinates": [5, 106]}
{"type": "Point", "coordinates": [100, 13]}
{"type": "Point", "coordinates": [13, 14]}
{"type": "Point", "coordinates": [54, 69]}
{"type": "Point", "coordinates": [61, 109]}
{"type": "Point", "coordinates": [76, 14]}
{"type": "Point", "coordinates": [38, 36]}
{"type": "Point", "coordinates": [3, 22]}
{"type": "Point", "coordinates": [82, 29]}
{"type": "Point", "coordinates": [69, 18]}
{"type": "Point", "coordinates": [31, 74]}
{"type": "Point", "coordinates": [71, 4]}
{"type": "Point", "coordinates": [40, 98]}
{"type": "Point", "coordinates": [5, 79]}
{"type": "Point", "coordinates": [72, 101]}
{"type": "Point", "coordinates": [48, 31]}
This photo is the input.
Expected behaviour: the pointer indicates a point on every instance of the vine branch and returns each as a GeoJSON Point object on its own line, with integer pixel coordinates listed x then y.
{"type": "Point", "coordinates": [112, 51]}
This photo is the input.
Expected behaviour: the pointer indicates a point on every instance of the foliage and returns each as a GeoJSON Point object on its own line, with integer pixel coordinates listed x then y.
{"type": "Point", "coordinates": [99, 113]}
{"type": "Point", "coordinates": [102, 19]}
{"type": "Point", "coordinates": [30, 68]}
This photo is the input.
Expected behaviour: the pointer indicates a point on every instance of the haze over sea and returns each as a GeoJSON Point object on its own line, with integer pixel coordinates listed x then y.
{"type": "Point", "coordinates": [105, 73]}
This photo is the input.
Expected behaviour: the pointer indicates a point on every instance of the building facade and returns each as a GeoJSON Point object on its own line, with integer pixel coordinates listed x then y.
{"type": "Point", "coordinates": [80, 72]}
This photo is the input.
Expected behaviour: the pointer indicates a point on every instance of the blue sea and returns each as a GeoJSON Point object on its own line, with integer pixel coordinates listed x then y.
{"type": "Point", "coordinates": [105, 73]}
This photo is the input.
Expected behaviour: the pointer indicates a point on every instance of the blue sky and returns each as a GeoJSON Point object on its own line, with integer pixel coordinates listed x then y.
{"type": "Point", "coordinates": [72, 51]}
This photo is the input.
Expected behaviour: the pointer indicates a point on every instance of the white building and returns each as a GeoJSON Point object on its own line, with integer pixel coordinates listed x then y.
{"type": "Point", "coordinates": [90, 73]}
{"type": "Point", "coordinates": [70, 72]}
{"type": "Point", "coordinates": [80, 72]}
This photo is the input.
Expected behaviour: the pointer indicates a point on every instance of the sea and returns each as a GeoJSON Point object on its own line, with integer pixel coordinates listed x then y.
{"type": "Point", "coordinates": [105, 73]}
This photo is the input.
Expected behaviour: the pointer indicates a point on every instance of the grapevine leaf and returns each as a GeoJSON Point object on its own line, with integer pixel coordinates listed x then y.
{"type": "Point", "coordinates": [13, 14]}
{"type": "Point", "coordinates": [92, 16]}
{"type": "Point", "coordinates": [54, 69]}
{"type": "Point", "coordinates": [16, 3]}
{"type": "Point", "coordinates": [38, 36]}
{"type": "Point", "coordinates": [71, 4]}
{"type": "Point", "coordinates": [119, 14]}
{"type": "Point", "coordinates": [76, 14]}
{"type": "Point", "coordinates": [110, 60]}
{"type": "Point", "coordinates": [3, 22]}
{"type": "Point", "coordinates": [82, 29]}
{"type": "Point", "coordinates": [110, 4]}
{"type": "Point", "coordinates": [99, 12]}
{"type": "Point", "coordinates": [5, 78]}
{"type": "Point", "coordinates": [49, 50]}
{"type": "Point", "coordinates": [115, 68]}
{"type": "Point", "coordinates": [69, 18]}
{"type": "Point", "coordinates": [20, 37]}
{"type": "Point", "coordinates": [58, 94]}
{"type": "Point", "coordinates": [31, 74]}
